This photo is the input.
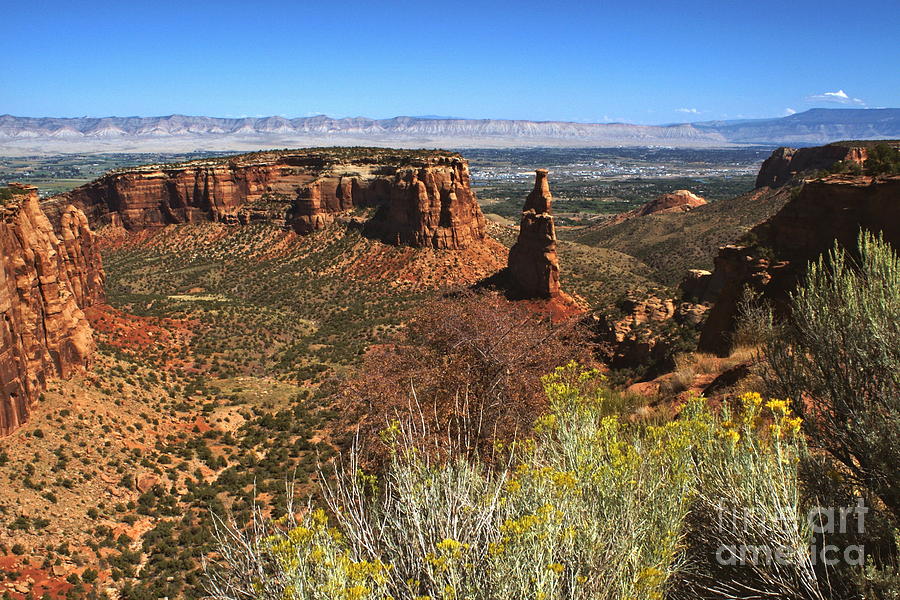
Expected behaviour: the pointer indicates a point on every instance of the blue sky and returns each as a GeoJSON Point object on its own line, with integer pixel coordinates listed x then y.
{"type": "Point", "coordinates": [635, 61]}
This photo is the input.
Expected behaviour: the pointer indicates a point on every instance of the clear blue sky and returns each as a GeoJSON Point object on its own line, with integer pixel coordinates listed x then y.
{"type": "Point", "coordinates": [628, 60]}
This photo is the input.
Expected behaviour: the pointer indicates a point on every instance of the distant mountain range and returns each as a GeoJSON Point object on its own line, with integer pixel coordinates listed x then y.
{"type": "Point", "coordinates": [813, 127]}
{"type": "Point", "coordinates": [29, 135]}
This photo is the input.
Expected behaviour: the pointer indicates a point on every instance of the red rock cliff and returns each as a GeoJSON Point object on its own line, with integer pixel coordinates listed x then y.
{"type": "Point", "coordinates": [786, 163]}
{"type": "Point", "coordinates": [533, 264]}
{"type": "Point", "coordinates": [45, 281]}
{"type": "Point", "coordinates": [777, 251]}
{"type": "Point", "coordinates": [421, 198]}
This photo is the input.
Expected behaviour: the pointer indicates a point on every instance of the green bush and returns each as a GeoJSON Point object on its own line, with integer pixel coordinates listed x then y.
{"type": "Point", "coordinates": [837, 358]}
{"type": "Point", "coordinates": [9, 193]}
{"type": "Point", "coordinates": [883, 160]}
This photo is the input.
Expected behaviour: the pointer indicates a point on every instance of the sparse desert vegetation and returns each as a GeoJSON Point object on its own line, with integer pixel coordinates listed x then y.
{"type": "Point", "coordinates": [591, 504]}
{"type": "Point", "coordinates": [329, 416]}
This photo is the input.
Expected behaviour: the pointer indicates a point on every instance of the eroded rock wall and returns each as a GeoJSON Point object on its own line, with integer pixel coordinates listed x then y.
{"type": "Point", "coordinates": [786, 163]}
{"type": "Point", "coordinates": [45, 281]}
{"type": "Point", "coordinates": [420, 199]}
{"type": "Point", "coordinates": [773, 260]}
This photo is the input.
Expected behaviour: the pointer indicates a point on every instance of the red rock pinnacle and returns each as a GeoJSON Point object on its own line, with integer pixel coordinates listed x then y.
{"type": "Point", "coordinates": [533, 264]}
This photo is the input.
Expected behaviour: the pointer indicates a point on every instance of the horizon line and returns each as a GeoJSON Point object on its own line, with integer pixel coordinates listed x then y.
{"type": "Point", "coordinates": [450, 118]}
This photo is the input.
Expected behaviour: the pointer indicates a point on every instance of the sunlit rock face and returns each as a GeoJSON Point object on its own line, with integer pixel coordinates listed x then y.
{"type": "Point", "coordinates": [46, 279]}
{"type": "Point", "coordinates": [773, 258]}
{"type": "Point", "coordinates": [786, 163]}
{"type": "Point", "coordinates": [533, 263]}
{"type": "Point", "coordinates": [420, 198]}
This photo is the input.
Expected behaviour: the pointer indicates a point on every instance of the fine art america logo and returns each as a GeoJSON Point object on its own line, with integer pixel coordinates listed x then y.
{"type": "Point", "coordinates": [821, 523]}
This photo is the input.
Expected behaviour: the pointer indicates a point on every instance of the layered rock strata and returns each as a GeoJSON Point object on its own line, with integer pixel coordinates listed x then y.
{"type": "Point", "coordinates": [774, 255]}
{"type": "Point", "coordinates": [45, 281]}
{"type": "Point", "coordinates": [786, 164]}
{"type": "Point", "coordinates": [421, 198]}
{"type": "Point", "coordinates": [533, 266]}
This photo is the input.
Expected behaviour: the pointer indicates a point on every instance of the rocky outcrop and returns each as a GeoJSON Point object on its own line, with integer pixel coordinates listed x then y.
{"type": "Point", "coordinates": [647, 332]}
{"type": "Point", "coordinates": [773, 256]}
{"type": "Point", "coordinates": [786, 164]}
{"type": "Point", "coordinates": [695, 285]}
{"type": "Point", "coordinates": [45, 281]}
{"type": "Point", "coordinates": [420, 198]}
{"type": "Point", "coordinates": [533, 266]}
{"type": "Point", "coordinates": [678, 201]}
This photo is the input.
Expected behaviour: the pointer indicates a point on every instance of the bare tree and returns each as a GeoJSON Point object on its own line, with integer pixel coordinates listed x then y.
{"type": "Point", "coordinates": [468, 367]}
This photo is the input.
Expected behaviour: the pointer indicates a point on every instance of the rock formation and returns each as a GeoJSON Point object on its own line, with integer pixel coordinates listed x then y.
{"type": "Point", "coordinates": [646, 333]}
{"type": "Point", "coordinates": [786, 164]}
{"type": "Point", "coordinates": [695, 285]}
{"type": "Point", "coordinates": [45, 281]}
{"type": "Point", "coordinates": [421, 198]}
{"type": "Point", "coordinates": [774, 255]}
{"type": "Point", "coordinates": [673, 202]}
{"type": "Point", "coordinates": [677, 201]}
{"type": "Point", "coordinates": [533, 267]}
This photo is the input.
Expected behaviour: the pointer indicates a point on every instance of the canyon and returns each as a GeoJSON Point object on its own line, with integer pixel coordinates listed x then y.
{"type": "Point", "coordinates": [52, 269]}
{"type": "Point", "coordinates": [420, 199]}
{"type": "Point", "coordinates": [240, 288]}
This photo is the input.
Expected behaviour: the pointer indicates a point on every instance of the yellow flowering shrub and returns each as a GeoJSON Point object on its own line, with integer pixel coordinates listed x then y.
{"type": "Point", "coordinates": [589, 507]}
{"type": "Point", "coordinates": [316, 563]}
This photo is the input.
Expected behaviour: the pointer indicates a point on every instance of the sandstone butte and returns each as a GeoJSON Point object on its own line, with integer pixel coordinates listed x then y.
{"type": "Point", "coordinates": [773, 258]}
{"type": "Point", "coordinates": [46, 278]}
{"type": "Point", "coordinates": [533, 266]}
{"type": "Point", "coordinates": [419, 198]}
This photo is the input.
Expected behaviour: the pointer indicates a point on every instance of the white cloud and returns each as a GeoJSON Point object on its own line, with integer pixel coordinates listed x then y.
{"type": "Point", "coordinates": [838, 97]}
{"type": "Point", "coordinates": [789, 111]}
{"type": "Point", "coordinates": [692, 111]}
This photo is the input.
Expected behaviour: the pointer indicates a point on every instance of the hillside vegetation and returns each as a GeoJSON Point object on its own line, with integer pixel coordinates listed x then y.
{"type": "Point", "coordinates": [594, 503]}
{"type": "Point", "coordinates": [673, 243]}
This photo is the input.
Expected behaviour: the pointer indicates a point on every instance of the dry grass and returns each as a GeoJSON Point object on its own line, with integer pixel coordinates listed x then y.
{"type": "Point", "coordinates": [697, 369]}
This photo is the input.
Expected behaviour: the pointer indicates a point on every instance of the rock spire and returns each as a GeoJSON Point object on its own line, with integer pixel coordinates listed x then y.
{"type": "Point", "coordinates": [533, 264]}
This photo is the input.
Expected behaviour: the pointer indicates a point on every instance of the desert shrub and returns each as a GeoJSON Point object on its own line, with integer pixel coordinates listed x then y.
{"type": "Point", "coordinates": [837, 358]}
{"type": "Point", "coordinates": [682, 377]}
{"type": "Point", "coordinates": [748, 534]}
{"type": "Point", "coordinates": [882, 581]}
{"type": "Point", "coordinates": [825, 481]}
{"type": "Point", "coordinates": [754, 320]}
{"type": "Point", "coordinates": [845, 167]}
{"type": "Point", "coordinates": [591, 506]}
